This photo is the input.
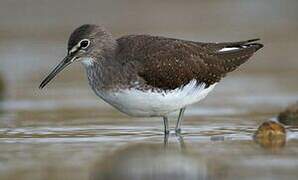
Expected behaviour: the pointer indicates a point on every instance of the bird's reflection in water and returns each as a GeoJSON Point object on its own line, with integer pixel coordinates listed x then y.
{"type": "Point", "coordinates": [219, 158]}
{"type": "Point", "coordinates": [151, 161]}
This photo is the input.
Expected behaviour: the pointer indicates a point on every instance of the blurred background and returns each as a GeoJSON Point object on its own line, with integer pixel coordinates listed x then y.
{"type": "Point", "coordinates": [63, 131]}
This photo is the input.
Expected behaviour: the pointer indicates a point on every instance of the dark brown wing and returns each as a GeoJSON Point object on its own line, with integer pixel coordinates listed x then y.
{"type": "Point", "coordinates": [170, 63]}
{"type": "Point", "coordinates": [219, 63]}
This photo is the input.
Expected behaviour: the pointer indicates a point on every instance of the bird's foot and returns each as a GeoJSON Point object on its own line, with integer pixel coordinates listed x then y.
{"type": "Point", "coordinates": [178, 131]}
{"type": "Point", "coordinates": [167, 132]}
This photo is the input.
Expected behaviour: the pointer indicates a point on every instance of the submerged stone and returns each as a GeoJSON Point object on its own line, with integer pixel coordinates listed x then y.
{"type": "Point", "coordinates": [290, 115]}
{"type": "Point", "coordinates": [271, 135]}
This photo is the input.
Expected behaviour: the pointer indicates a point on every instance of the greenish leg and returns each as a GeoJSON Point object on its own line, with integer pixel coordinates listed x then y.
{"type": "Point", "coordinates": [180, 117]}
{"type": "Point", "coordinates": [166, 124]}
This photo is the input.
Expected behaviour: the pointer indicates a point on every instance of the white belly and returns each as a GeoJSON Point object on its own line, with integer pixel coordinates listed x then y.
{"type": "Point", "coordinates": [135, 102]}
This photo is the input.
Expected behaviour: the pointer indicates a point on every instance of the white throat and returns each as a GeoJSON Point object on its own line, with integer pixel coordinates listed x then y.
{"type": "Point", "coordinates": [87, 61]}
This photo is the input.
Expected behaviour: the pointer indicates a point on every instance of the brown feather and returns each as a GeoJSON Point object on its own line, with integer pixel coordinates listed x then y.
{"type": "Point", "coordinates": [167, 63]}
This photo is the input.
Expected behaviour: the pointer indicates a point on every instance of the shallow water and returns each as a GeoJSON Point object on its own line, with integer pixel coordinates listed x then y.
{"type": "Point", "coordinates": [52, 134]}
{"type": "Point", "coordinates": [66, 132]}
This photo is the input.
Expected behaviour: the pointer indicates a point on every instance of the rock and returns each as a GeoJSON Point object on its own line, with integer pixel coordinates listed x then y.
{"type": "Point", "coordinates": [271, 135]}
{"type": "Point", "coordinates": [290, 115]}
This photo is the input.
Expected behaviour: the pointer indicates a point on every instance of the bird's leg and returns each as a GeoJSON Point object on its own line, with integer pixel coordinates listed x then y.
{"type": "Point", "coordinates": [166, 140]}
{"type": "Point", "coordinates": [166, 125]}
{"type": "Point", "coordinates": [180, 117]}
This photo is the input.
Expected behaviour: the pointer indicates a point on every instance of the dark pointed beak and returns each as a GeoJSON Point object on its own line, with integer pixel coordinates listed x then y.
{"type": "Point", "coordinates": [64, 63]}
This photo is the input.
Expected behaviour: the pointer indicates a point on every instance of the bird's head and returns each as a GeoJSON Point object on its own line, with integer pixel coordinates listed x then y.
{"type": "Point", "coordinates": [87, 43]}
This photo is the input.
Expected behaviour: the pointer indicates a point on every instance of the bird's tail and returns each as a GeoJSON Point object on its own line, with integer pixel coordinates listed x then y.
{"type": "Point", "coordinates": [241, 44]}
{"type": "Point", "coordinates": [234, 54]}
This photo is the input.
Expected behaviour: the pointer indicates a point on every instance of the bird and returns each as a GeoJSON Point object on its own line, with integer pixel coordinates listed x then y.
{"type": "Point", "coordinates": [143, 75]}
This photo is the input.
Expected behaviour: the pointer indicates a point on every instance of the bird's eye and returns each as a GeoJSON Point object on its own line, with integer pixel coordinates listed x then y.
{"type": "Point", "coordinates": [84, 43]}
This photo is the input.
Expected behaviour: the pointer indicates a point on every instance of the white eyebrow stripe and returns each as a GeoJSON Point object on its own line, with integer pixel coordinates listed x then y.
{"type": "Point", "coordinates": [74, 49]}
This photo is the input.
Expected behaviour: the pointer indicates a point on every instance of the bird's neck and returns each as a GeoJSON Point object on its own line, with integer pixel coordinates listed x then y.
{"type": "Point", "coordinates": [103, 73]}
